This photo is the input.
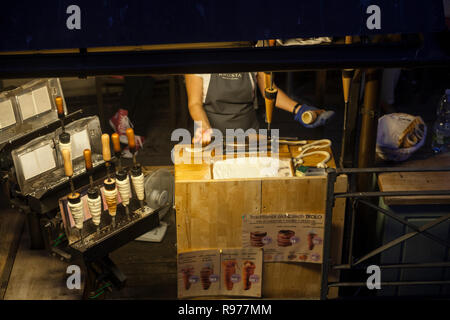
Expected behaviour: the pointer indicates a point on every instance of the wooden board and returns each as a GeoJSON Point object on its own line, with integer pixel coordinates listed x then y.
{"type": "Point", "coordinates": [417, 181]}
{"type": "Point", "coordinates": [203, 171]}
{"type": "Point", "coordinates": [209, 215]}
{"type": "Point", "coordinates": [294, 195]}
{"type": "Point", "coordinates": [289, 280]}
{"type": "Point", "coordinates": [11, 226]}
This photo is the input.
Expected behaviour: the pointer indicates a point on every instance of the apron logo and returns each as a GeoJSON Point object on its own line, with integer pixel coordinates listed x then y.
{"type": "Point", "coordinates": [231, 76]}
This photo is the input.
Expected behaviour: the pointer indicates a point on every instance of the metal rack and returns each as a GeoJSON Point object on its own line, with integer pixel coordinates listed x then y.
{"type": "Point", "coordinates": [358, 197]}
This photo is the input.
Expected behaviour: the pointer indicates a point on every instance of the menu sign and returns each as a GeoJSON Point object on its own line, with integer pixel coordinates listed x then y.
{"type": "Point", "coordinates": [285, 237]}
{"type": "Point", "coordinates": [231, 272]}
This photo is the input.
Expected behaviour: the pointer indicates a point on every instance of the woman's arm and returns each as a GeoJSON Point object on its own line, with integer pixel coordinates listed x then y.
{"type": "Point", "coordinates": [283, 101]}
{"type": "Point", "coordinates": [194, 88]}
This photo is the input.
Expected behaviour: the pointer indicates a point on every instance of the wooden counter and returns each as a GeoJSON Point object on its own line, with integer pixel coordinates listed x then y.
{"type": "Point", "coordinates": [209, 215]}
{"type": "Point", "coordinates": [418, 181]}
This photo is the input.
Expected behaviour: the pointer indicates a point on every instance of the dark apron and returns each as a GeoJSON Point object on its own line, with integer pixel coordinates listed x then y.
{"type": "Point", "coordinates": [230, 101]}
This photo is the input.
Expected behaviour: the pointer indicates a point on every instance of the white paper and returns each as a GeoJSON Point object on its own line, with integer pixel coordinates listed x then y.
{"type": "Point", "coordinates": [80, 141]}
{"type": "Point", "coordinates": [251, 167]}
{"type": "Point", "coordinates": [7, 117]}
{"type": "Point", "coordinates": [26, 105]}
{"type": "Point", "coordinates": [41, 100]}
{"type": "Point", "coordinates": [37, 161]}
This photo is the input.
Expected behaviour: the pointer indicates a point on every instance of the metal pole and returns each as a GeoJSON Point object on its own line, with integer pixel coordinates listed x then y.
{"type": "Point", "coordinates": [391, 194]}
{"type": "Point", "coordinates": [396, 266]}
{"type": "Point", "coordinates": [329, 203]}
{"type": "Point", "coordinates": [392, 283]}
{"type": "Point", "coordinates": [366, 154]}
{"type": "Point", "coordinates": [391, 169]}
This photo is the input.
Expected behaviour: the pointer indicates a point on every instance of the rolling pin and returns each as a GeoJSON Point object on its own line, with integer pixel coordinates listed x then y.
{"type": "Point", "coordinates": [64, 137]}
{"type": "Point", "coordinates": [347, 76]}
{"type": "Point", "coordinates": [65, 143]}
{"type": "Point", "coordinates": [137, 177]}
{"type": "Point", "coordinates": [68, 170]}
{"type": "Point", "coordinates": [131, 143]}
{"type": "Point", "coordinates": [111, 198]}
{"type": "Point", "coordinates": [270, 93]}
{"type": "Point", "coordinates": [116, 148]}
{"type": "Point", "coordinates": [88, 164]}
{"type": "Point", "coordinates": [309, 117]}
{"type": "Point", "coordinates": [106, 152]}
{"type": "Point", "coordinates": [60, 110]}
{"type": "Point", "coordinates": [74, 200]}
{"type": "Point", "coordinates": [270, 99]}
{"type": "Point", "coordinates": [94, 200]}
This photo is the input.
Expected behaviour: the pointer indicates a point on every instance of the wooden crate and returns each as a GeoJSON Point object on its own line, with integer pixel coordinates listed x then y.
{"type": "Point", "coordinates": [209, 215]}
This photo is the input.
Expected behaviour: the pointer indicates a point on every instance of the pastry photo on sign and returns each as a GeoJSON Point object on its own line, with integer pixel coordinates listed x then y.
{"type": "Point", "coordinates": [198, 273]}
{"type": "Point", "coordinates": [241, 272]}
{"type": "Point", "coordinates": [248, 273]}
{"type": "Point", "coordinates": [229, 268]}
{"type": "Point", "coordinates": [285, 237]}
{"type": "Point", "coordinates": [207, 276]}
{"type": "Point", "coordinates": [257, 239]}
{"type": "Point", "coordinates": [226, 272]}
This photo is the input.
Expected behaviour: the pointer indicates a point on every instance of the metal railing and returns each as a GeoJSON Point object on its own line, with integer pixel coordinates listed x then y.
{"type": "Point", "coordinates": [359, 197]}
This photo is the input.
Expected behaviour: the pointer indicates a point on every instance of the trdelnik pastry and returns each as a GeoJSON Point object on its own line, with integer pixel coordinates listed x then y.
{"type": "Point", "coordinates": [284, 238]}
{"type": "Point", "coordinates": [256, 238]}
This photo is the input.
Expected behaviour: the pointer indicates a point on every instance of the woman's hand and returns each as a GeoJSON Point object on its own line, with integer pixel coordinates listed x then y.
{"type": "Point", "coordinates": [202, 136]}
{"type": "Point", "coordinates": [322, 116]}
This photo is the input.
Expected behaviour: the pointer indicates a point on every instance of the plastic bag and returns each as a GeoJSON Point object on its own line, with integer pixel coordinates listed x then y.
{"type": "Point", "coordinates": [399, 135]}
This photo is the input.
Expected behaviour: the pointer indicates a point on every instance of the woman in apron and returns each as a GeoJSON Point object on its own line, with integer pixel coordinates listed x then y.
{"type": "Point", "coordinates": [227, 101]}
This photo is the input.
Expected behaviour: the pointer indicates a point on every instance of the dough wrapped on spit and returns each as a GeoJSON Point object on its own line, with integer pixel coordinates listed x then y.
{"type": "Point", "coordinates": [76, 208]}
{"type": "Point", "coordinates": [95, 206]}
{"type": "Point", "coordinates": [123, 185]}
{"type": "Point", "coordinates": [137, 177]}
{"type": "Point", "coordinates": [111, 196]}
